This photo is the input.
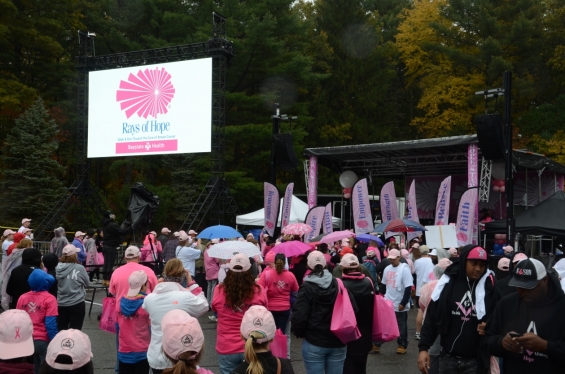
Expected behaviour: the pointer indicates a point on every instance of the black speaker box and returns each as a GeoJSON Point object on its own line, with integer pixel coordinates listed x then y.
{"type": "Point", "coordinates": [489, 134]}
{"type": "Point", "coordinates": [284, 152]}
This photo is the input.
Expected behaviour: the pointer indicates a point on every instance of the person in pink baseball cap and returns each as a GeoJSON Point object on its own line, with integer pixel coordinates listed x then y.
{"type": "Point", "coordinates": [70, 350]}
{"type": "Point", "coordinates": [258, 330]}
{"type": "Point", "coordinates": [16, 342]}
{"type": "Point", "coordinates": [183, 342]}
{"type": "Point", "coordinates": [504, 278]}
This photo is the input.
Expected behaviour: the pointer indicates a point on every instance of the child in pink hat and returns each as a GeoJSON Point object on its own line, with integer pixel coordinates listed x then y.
{"type": "Point", "coordinates": [183, 342]}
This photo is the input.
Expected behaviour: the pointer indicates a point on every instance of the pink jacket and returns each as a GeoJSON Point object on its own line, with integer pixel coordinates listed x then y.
{"type": "Point", "coordinates": [278, 287]}
{"type": "Point", "coordinates": [211, 265]}
{"type": "Point", "coordinates": [228, 340]}
{"type": "Point", "coordinates": [119, 284]}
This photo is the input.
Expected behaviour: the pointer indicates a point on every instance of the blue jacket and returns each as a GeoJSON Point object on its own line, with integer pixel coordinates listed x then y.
{"type": "Point", "coordinates": [82, 254]}
{"type": "Point", "coordinates": [371, 266]}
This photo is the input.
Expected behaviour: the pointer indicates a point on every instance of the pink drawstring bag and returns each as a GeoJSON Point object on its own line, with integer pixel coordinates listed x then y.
{"type": "Point", "coordinates": [278, 347]}
{"type": "Point", "coordinates": [344, 323]}
{"type": "Point", "coordinates": [108, 319]}
{"type": "Point", "coordinates": [385, 327]}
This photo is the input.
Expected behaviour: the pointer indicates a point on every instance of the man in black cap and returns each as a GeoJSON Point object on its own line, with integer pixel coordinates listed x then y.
{"type": "Point", "coordinates": [463, 299]}
{"type": "Point", "coordinates": [527, 328]}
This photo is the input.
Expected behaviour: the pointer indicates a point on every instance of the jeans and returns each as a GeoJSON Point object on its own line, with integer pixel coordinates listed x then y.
{"type": "Point", "coordinates": [457, 365]}
{"type": "Point", "coordinates": [281, 319]}
{"type": "Point", "coordinates": [109, 260]}
{"type": "Point", "coordinates": [117, 367]}
{"type": "Point", "coordinates": [318, 360]}
{"type": "Point", "coordinates": [355, 364]}
{"type": "Point", "coordinates": [141, 367]}
{"type": "Point", "coordinates": [402, 320]}
{"type": "Point", "coordinates": [39, 354]}
{"type": "Point", "coordinates": [71, 317]}
{"type": "Point", "coordinates": [228, 363]}
{"type": "Point", "coordinates": [210, 291]}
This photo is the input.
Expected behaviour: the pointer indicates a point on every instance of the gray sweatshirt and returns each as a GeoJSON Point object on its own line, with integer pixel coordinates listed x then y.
{"type": "Point", "coordinates": [58, 242]}
{"type": "Point", "coordinates": [71, 278]}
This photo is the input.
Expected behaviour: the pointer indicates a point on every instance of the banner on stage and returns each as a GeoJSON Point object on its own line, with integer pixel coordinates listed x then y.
{"type": "Point", "coordinates": [389, 208]}
{"type": "Point", "coordinates": [442, 205]}
{"type": "Point", "coordinates": [327, 225]}
{"type": "Point", "coordinates": [271, 205]}
{"type": "Point", "coordinates": [312, 182]}
{"type": "Point", "coordinates": [443, 236]}
{"type": "Point", "coordinates": [287, 203]}
{"type": "Point", "coordinates": [466, 217]}
{"type": "Point", "coordinates": [412, 210]}
{"type": "Point", "coordinates": [314, 219]}
{"type": "Point", "coordinates": [362, 217]}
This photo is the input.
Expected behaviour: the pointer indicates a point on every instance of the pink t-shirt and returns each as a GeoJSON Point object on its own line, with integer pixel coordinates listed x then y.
{"type": "Point", "coordinates": [212, 266]}
{"type": "Point", "coordinates": [119, 285]}
{"type": "Point", "coordinates": [135, 330]}
{"type": "Point", "coordinates": [279, 287]}
{"type": "Point", "coordinates": [39, 305]}
{"type": "Point", "coordinates": [228, 339]}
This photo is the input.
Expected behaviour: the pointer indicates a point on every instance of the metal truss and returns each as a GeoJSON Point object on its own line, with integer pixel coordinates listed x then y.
{"type": "Point", "coordinates": [433, 164]}
{"type": "Point", "coordinates": [486, 174]}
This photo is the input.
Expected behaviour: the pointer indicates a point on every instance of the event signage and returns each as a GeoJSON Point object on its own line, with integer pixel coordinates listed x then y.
{"type": "Point", "coordinates": [312, 182]}
{"type": "Point", "coordinates": [441, 236]}
{"type": "Point", "coordinates": [473, 181]}
{"type": "Point", "coordinates": [287, 204]}
{"type": "Point", "coordinates": [271, 205]}
{"type": "Point", "coordinates": [389, 208]}
{"type": "Point", "coordinates": [161, 108]}
{"type": "Point", "coordinates": [362, 217]}
{"type": "Point", "coordinates": [327, 225]}
{"type": "Point", "coordinates": [442, 205]}
{"type": "Point", "coordinates": [314, 219]}
{"type": "Point", "coordinates": [412, 210]}
{"type": "Point", "coordinates": [466, 217]}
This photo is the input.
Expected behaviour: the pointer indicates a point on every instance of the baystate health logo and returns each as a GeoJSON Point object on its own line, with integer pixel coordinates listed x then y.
{"type": "Point", "coordinates": [148, 93]}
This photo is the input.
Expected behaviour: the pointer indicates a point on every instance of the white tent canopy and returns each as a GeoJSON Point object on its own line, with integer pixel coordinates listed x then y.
{"type": "Point", "coordinates": [298, 212]}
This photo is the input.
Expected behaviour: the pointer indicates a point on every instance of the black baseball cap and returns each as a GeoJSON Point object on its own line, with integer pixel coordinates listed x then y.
{"type": "Point", "coordinates": [527, 274]}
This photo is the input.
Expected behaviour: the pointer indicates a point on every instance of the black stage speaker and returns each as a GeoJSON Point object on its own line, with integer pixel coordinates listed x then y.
{"type": "Point", "coordinates": [489, 134]}
{"type": "Point", "coordinates": [284, 152]}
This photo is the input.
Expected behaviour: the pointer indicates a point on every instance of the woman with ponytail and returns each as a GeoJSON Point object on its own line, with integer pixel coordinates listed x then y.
{"type": "Point", "coordinates": [258, 330]}
{"type": "Point", "coordinates": [280, 285]}
{"type": "Point", "coordinates": [183, 343]}
{"type": "Point", "coordinates": [231, 300]}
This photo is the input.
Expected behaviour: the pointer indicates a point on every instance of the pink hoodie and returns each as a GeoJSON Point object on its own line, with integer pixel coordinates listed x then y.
{"type": "Point", "coordinates": [211, 265]}
{"type": "Point", "coordinates": [135, 331]}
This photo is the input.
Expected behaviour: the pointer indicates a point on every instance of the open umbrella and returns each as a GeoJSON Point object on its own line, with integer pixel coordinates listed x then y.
{"type": "Point", "coordinates": [230, 248]}
{"type": "Point", "coordinates": [317, 238]}
{"type": "Point", "coordinates": [337, 235]}
{"type": "Point", "coordinates": [292, 248]}
{"type": "Point", "coordinates": [297, 229]}
{"type": "Point", "coordinates": [365, 238]}
{"type": "Point", "coordinates": [399, 225]}
{"type": "Point", "coordinates": [219, 232]}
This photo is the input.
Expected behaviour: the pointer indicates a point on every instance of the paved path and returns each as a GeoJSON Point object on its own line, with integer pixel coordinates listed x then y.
{"type": "Point", "coordinates": [104, 348]}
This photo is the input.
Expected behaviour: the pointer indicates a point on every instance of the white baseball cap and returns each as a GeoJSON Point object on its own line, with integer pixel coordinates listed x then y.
{"type": "Point", "coordinates": [132, 252]}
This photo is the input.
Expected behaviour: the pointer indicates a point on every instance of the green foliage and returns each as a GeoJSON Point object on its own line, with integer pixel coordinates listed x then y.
{"type": "Point", "coordinates": [30, 183]}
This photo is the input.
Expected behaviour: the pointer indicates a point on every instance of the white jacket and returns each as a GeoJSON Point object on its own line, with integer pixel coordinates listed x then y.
{"type": "Point", "coordinates": [165, 297]}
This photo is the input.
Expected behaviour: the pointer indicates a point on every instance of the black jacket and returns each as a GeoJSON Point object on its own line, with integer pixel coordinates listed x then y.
{"type": "Point", "coordinates": [17, 284]}
{"type": "Point", "coordinates": [312, 312]}
{"type": "Point", "coordinates": [269, 363]}
{"type": "Point", "coordinates": [544, 317]}
{"type": "Point", "coordinates": [163, 240]}
{"type": "Point", "coordinates": [361, 288]}
{"type": "Point", "coordinates": [113, 233]}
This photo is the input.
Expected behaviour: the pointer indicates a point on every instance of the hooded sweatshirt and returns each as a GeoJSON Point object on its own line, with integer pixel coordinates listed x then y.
{"type": "Point", "coordinates": [313, 309]}
{"type": "Point", "coordinates": [18, 237]}
{"type": "Point", "coordinates": [543, 317]}
{"type": "Point", "coordinates": [454, 314]}
{"type": "Point", "coordinates": [72, 279]}
{"type": "Point", "coordinates": [50, 261]}
{"type": "Point", "coordinates": [17, 284]}
{"type": "Point", "coordinates": [40, 305]}
{"type": "Point", "coordinates": [10, 264]}
{"type": "Point", "coordinates": [135, 330]}
{"type": "Point", "coordinates": [58, 242]}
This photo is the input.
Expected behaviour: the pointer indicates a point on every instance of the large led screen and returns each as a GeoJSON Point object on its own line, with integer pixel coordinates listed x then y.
{"type": "Point", "coordinates": [152, 109]}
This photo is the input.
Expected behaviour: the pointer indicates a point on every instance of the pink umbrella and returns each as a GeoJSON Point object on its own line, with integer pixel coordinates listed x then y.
{"type": "Point", "coordinates": [297, 229]}
{"type": "Point", "coordinates": [337, 235]}
{"type": "Point", "coordinates": [292, 248]}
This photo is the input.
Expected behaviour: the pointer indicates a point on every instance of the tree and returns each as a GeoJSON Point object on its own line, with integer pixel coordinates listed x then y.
{"type": "Point", "coordinates": [30, 174]}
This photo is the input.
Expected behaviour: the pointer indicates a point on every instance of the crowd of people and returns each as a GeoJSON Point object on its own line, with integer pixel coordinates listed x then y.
{"type": "Point", "coordinates": [470, 319]}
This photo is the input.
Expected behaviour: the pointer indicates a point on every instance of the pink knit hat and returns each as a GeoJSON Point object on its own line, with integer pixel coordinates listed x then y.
{"type": "Point", "coordinates": [316, 258]}
{"type": "Point", "coordinates": [181, 333]}
{"type": "Point", "coordinates": [270, 257]}
{"type": "Point", "coordinates": [259, 319]}
{"type": "Point", "coordinates": [16, 334]}
{"type": "Point", "coordinates": [73, 343]}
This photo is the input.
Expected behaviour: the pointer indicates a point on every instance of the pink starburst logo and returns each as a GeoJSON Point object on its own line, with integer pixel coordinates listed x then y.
{"type": "Point", "coordinates": [148, 93]}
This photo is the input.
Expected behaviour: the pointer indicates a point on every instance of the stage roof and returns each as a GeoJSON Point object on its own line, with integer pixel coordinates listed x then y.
{"type": "Point", "coordinates": [436, 156]}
